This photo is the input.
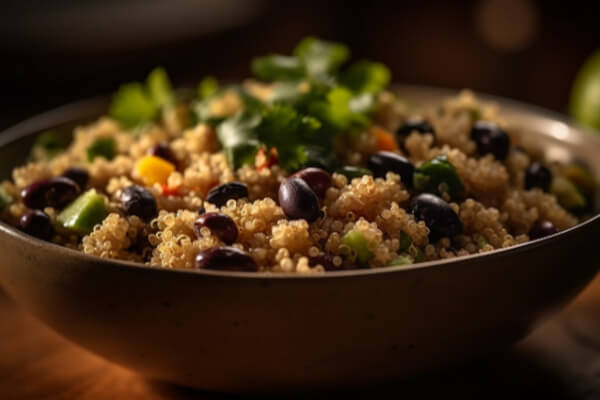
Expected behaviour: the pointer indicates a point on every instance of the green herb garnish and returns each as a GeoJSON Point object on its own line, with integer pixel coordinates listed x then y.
{"type": "Point", "coordinates": [438, 176]}
{"type": "Point", "coordinates": [405, 241]}
{"type": "Point", "coordinates": [567, 194]}
{"type": "Point", "coordinates": [321, 58]}
{"type": "Point", "coordinates": [136, 103]}
{"type": "Point", "coordinates": [159, 87]}
{"type": "Point", "coordinates": [357, 242]}
{"type": "Point", "coordinates": [275, 67]}
{"type": "Point", "coordinates": [47, 145]}
{"type": "Point", "coordinates": [366, 76]}
{"type": "Point", "coordinates": [5, 198]}
{"type": "Point", "coordinates": [208, 87]}
{"type": "Point", "coordinates": [401, 260]}
{"type": "Point", "coordinates": [238, 138]}
{"type": "Point", "coordinates": [313, 101]}
{"type": "Point", "coordinates": [102, 147]}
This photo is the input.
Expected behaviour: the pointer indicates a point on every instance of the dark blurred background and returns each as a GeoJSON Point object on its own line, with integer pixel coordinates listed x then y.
{"type": "Point", "coordinates": [59, 51]}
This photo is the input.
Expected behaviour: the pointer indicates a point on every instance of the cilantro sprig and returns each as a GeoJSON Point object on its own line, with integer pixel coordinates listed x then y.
{"type": "Point", "coordinates": [314, 100]}
{"type": "Point", "coordinates": [311, 85]}
{"type": "Point", "coordinates": [317, 59]}
{"type": "Point", "coordinates": [138, 103]}
{"type": "Point", "coordinates": [280, 127]}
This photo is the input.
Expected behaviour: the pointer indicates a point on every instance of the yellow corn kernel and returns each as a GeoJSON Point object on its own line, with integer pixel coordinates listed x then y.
{"type": "Point", "coordinates": [151, 170]}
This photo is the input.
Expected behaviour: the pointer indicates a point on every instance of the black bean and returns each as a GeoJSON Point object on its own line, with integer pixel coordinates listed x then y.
{"type": "Point", "coordinates": [33, 195]}
{"type": "Point", "coordinates": [38, 224]}
{"type": "Point", "coordinates": [385, 161]}
{"type": "Point", "coordinates": [318, 179]}
{"type": "Point", "coordinates": [439, 217]}
{"type": "Point", "coordinates": [415, 124]}
{"type": "Point", "coordinates": [317, 157]}
{"type": "Point", "coordinates": [139, 201]}
{"type": "Point", "coordinates": [163, 150]}
{"type": "Point", "coordinates": [78, 175]}
{"type": "Point", "coordinates": [56, 192]}
{"type": "Point", "coordinates": [352, 172]}
{"type": "Point", "coordinates": [221, 194]}
{"type": "Point", "coordinates": [220, 225]}
{"type": "Point", "coordinates": [543, 229]}
{"type": "Point", "coordinates": [539, 176]}
{"type": "Point", "coordinates": [490, 138]}
{"type": "Point", "coordinates": [298, 200]}
{"type": "Point", "coordinates": [326, 260]}
{"type": "Point", "coordinates": [225, 259]}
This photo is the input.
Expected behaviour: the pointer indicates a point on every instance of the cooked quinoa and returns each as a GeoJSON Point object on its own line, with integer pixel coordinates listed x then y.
{"type": "Point", "coordinates": [244, 178]}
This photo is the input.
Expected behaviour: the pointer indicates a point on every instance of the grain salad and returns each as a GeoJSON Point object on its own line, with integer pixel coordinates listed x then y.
{"type": "Point", "coordinates": [310, 166]}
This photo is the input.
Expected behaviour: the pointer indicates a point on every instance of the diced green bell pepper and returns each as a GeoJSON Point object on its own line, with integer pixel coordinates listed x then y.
{"type": "Point", "coordinates": [357, 242]}
{"type": "Point", "coordinates": [438, 176]}
{"type": "Point", "coordinates": [405, 241]}
{"type": "Point", "coordinates": [416, 253]}
{"type": "Point", "coordinates": [83, 213]}
{"type": "Point", "coordinates": [5, 198]}
{"type": "Point", "coordinates": [567, 193]}
{"type": "Point", "coordinates": [401, 260]}
{"type": "Point", "coordinates": [49, 144]}
{"type": "Point", "coordinates": [582, 178]}
{"type": "Point", "coordinates": [102, 147]}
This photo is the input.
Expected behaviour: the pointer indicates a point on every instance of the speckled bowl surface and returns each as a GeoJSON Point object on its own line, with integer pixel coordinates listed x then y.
{"type": "Point", "coordinates": [238, 332]}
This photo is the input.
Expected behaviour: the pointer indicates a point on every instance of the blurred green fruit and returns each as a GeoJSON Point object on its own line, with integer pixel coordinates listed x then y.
{"type": "Point", "coordinates": [585, 95]}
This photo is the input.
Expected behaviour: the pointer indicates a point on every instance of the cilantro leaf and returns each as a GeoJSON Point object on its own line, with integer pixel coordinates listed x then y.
{"type": "Point", "coordinates": [132, 105]}
{"type": "Point", "coordinates": [362, 104]}
{"type": "Point", "coordinates": [336, 112]}
{"type": "Point", "coordinates": [159, 87]}
{"type": "Point", "coordinates": [282, 127]}
{"type": "Point", "coordinates": [275, 67]}
{"type": "Point", "coordinates": [238, 138]}
{"type": "Point", "coordinates": [251, 103]}
{"type": "Point", "coordinates": [5, 198]}
{"type": "Point", "coordinates": [238, 128]}
{"type": "Point", "coordinates": [47, 145]}
{"type": "Point", "coordinates": [136, 103]}
{"type": "Point", "coordinates": [102, 147]}
{"type": "Point", "coordinates": [321, 58]}
{"type": "Point", "coordinates": [281, 124]}
{"type": "Point", "coordinates": [319, 157]}
{"type": "Point", "coordinates": [366, 76]}
{"type": "Point", "coordinates": [208, 87]}
{"type": "Point", "coordinates": [242, 154]}
{"type": "Point", "coordinates": [202, 113]}
{"type": "Point", "coordinates": [310, 104]}
{"type": "Point", "coordinates": [292, 158]}
{"type": "Point", "coordinates": [285, 93]}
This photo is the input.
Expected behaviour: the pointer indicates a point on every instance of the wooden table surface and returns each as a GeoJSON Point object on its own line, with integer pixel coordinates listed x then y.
{"type": "Point", "coordinates": [561, 359]}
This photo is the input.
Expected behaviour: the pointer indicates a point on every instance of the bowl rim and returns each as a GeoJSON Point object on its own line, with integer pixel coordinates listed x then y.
{"type": "Point", "coordinates": [73, 112]}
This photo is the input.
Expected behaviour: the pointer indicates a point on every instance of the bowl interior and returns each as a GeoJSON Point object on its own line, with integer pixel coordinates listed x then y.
{"type": "Point", "coordinates": [549, 135]}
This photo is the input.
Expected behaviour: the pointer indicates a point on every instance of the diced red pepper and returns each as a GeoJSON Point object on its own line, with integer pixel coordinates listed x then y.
{"type": "Point", "coordinates": [169, 191]}
{"type": "Point", "coordinates": [385, 140]}
{"type": "Point", "coordinates": [262, 160]}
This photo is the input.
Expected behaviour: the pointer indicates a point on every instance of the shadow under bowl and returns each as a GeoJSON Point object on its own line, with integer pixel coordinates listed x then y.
{"type": "Point", "coordinates": [253, 332]}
